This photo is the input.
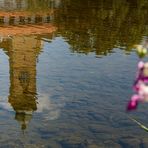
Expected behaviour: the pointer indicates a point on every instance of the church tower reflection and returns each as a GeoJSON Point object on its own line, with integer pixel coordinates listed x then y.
{"type": "Point", "coordinates": [22, 58]}
{"type": "Point", "coordinates": [23, 51]}
{"type": "Point", "coordinates": [20, 37]}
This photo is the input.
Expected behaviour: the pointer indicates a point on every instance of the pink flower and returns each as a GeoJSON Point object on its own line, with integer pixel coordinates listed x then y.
{"type": "Point", "coordinates": [140, 86]}
{"type": "Point", "coordinates": [133, 103]}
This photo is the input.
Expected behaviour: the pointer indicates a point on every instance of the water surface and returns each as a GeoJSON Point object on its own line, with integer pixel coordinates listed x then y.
{"type": "Point", "coordinates": [66, 72]}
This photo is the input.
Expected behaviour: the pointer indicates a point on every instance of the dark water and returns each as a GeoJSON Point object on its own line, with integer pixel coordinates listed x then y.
{"type": "Point", "coordinates": [66, 73]}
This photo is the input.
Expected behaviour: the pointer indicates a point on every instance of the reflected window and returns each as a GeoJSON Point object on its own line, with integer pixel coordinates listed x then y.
{"type": "Point", "coordinates": [24, 77]}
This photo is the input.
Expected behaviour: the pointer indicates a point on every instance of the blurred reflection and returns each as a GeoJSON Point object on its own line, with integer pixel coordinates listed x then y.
{"type": "Point", "coordinates": [99, 26]}
{"type": "Point", "coordinates": [22, 57]}
{"type": "Point", "coordinates": [50, 108]}
{"type": "Point", "coordinates": [88, 26]}
{"type": "Point", "coordinates": [23, 44]}
{"type": "Point", "coordinates": [27, 12]}
{"type": "Point", "coordinates": [22, 52]}
{"type": "Point", "coordinates": [29, 5]}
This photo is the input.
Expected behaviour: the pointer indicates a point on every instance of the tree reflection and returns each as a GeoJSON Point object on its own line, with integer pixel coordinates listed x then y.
{"type": "Point", "coordinates": [99, 26]}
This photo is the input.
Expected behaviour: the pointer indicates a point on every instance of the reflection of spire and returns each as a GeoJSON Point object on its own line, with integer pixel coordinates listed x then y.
{"type": "Point", "coordinates": [23, 119]}
{"type": "Point", "coordinates": [23, 46]}
{"type": "Point", "coordinates": [24, 105]}
{"type": "Point", "coordinates": [22, 57]}
{"type": "Point", "coordinates": [23, 52]}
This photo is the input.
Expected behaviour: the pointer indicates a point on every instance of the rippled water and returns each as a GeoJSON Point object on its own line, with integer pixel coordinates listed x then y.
{"type": "Point", "coordinates": [66, 73]}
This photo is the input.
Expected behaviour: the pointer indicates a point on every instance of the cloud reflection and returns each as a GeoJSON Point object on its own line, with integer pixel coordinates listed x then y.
{"type": "Point", "coordinates": [5, 105]}
{"type": "Point", "coordinates": [50, 109]}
